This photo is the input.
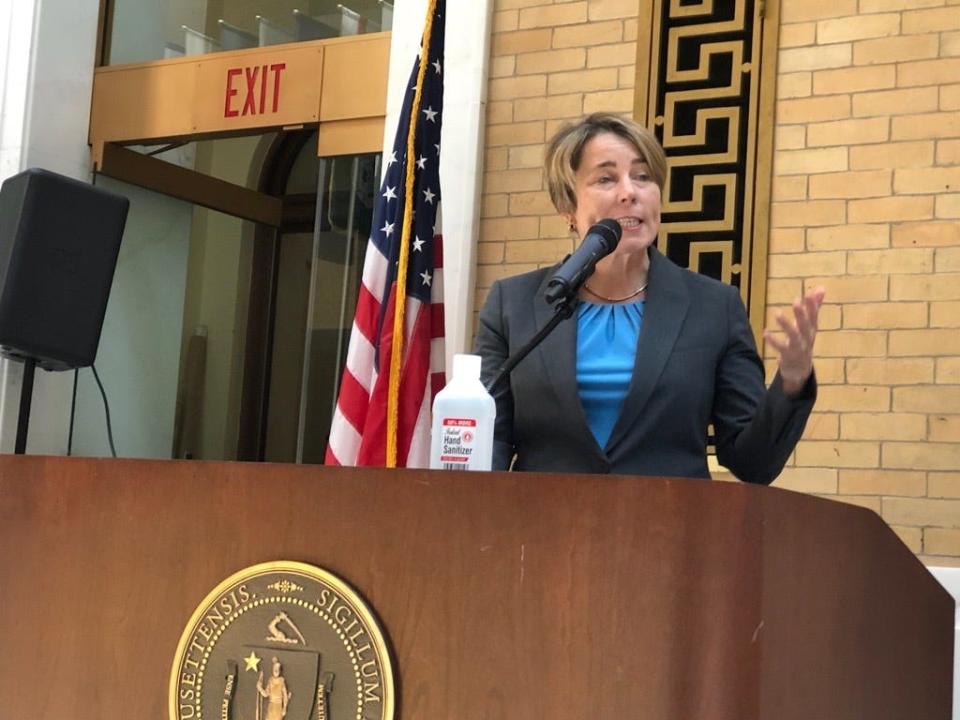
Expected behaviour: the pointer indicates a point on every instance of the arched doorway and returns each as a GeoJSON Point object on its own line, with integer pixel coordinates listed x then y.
{"type": "Point", "coordinates": [305, 276]}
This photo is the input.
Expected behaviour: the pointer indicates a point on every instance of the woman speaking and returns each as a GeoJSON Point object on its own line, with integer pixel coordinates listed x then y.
{"type": "Point", "coordinates": [654, 353]}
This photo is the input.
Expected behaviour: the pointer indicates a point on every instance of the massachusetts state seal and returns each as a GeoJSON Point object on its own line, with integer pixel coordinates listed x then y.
{"type": "Point", "coordinates": [282, 641]}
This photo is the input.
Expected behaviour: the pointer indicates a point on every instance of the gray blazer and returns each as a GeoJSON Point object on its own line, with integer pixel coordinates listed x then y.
{"type": "Point", "coordinates": [696, 364]}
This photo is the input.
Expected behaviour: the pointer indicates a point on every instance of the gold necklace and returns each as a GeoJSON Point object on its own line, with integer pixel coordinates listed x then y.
{"type": "Point", "coordinates": [616, 300]}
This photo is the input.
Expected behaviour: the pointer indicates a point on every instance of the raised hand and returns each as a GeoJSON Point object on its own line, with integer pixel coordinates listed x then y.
{"type": "Point", "coordinates": [795, 344]}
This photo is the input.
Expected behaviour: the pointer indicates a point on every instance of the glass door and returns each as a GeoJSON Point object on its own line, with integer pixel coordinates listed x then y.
{"type": "Point", "coordinates": [225, 338]}
{"type": "Point", "coordinates": [319, 279]}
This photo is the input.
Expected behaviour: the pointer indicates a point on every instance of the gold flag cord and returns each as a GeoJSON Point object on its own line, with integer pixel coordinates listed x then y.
{"type": "Point", "coordinates": [399, 330]}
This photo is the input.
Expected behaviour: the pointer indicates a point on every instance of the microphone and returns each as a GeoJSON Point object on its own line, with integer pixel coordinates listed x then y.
{"type": "Point", "coordinates": [600, 241]}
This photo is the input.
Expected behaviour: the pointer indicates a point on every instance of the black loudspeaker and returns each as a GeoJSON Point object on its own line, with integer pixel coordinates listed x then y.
{"type": "Point", "coordinates": [59, 240]}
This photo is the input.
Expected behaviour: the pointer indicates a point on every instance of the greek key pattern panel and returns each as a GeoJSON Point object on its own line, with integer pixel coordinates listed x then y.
{"type": "Point", "coordinates": [702, 100]}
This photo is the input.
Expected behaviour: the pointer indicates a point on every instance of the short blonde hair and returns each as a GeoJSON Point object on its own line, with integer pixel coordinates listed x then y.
{"type": "Point", "coordinates": [565, 152]}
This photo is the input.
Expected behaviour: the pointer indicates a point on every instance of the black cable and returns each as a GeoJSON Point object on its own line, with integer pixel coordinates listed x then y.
{"type": "Point", "coordinates": [106, 409]}
{"type": "Point", "coordinates": [73, 412]}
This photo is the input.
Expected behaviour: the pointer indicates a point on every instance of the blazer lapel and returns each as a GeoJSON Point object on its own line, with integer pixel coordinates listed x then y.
{"type": "Point", "coordinates": [663, 315]}
{"type": "Point", "coordinates": [558, 355]}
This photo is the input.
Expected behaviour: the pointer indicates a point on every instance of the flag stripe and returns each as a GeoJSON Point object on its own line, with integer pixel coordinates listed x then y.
{"type": "Point", "coordinates": [353, 401]}
{"type": "Point", "coordinates": [365, 323]}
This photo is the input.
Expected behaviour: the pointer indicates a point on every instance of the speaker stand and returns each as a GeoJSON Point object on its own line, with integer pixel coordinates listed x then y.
{"type": "Point", "coordinates": [26, 397]}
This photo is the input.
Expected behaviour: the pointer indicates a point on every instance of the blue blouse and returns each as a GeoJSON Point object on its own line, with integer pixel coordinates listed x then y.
{"type": "Point", "coordinates": [606, 349]}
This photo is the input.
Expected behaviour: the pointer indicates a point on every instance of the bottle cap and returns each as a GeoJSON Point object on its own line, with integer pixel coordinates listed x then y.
{"type": "Point", "coordinates": [466, 367]}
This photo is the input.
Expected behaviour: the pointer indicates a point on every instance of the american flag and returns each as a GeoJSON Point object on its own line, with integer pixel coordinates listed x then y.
{"type": "Point", "coordinates": [404, 228]}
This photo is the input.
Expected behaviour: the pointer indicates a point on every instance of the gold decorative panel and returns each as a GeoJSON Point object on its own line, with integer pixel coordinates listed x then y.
{"type": "Point", "coordinates": [706, 71]}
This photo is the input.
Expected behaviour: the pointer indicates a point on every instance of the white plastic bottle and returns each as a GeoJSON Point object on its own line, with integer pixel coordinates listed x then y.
{"type": "Point", "coordinates": [463, 415]}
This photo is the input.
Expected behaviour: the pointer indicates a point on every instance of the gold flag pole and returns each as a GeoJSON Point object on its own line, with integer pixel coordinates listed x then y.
{"type": "Point", "coordinates": [399, 325]}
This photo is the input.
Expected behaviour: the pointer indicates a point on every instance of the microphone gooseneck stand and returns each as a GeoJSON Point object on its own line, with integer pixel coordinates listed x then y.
{"type": "Point", "coordinates": [561, 311]}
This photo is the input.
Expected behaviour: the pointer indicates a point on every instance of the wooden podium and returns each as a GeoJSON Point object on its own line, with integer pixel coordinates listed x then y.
{"type": "Point", "coordinates": [515, 596]}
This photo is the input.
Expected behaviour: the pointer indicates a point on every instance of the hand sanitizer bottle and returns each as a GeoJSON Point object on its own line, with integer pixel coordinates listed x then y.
{"type": "Point", "coordinates": [463, 415]}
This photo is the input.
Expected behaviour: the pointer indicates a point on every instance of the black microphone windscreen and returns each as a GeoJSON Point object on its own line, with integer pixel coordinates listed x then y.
{"type": "Point", "coordinates": [601, 240]}
{"type": "Point", "coordinates": [609, 230]}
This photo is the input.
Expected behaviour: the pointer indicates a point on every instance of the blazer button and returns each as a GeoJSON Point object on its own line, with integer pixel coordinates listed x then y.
{"type": "Point", "coordinates": [605, 466]}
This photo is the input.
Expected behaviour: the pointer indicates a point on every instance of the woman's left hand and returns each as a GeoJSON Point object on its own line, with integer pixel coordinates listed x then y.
{"type": "Point", "coordinates": [795, 346]}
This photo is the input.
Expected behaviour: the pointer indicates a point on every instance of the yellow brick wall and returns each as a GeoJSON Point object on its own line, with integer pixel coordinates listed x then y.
{"type": "Point", "coordinates": [550, 62]}
{"type": "Point", "coordinates": [866, 201]}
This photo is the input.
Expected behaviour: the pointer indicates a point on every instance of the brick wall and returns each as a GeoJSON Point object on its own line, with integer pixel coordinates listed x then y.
{"type": "Point", "coordinates": [866, 202]}
{"type": "Point", "coordinates": [550, 63]}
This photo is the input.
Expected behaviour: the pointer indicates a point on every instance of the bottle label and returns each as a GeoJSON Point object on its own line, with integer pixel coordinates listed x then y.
{"type": "Point", "coordinates": [457, 443]}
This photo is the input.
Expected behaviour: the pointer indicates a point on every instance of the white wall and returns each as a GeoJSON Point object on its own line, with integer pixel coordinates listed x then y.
{"type": "Point", "coordinates": [47, 76]}
{"type": "Point", "coordinates": [16, 34]}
